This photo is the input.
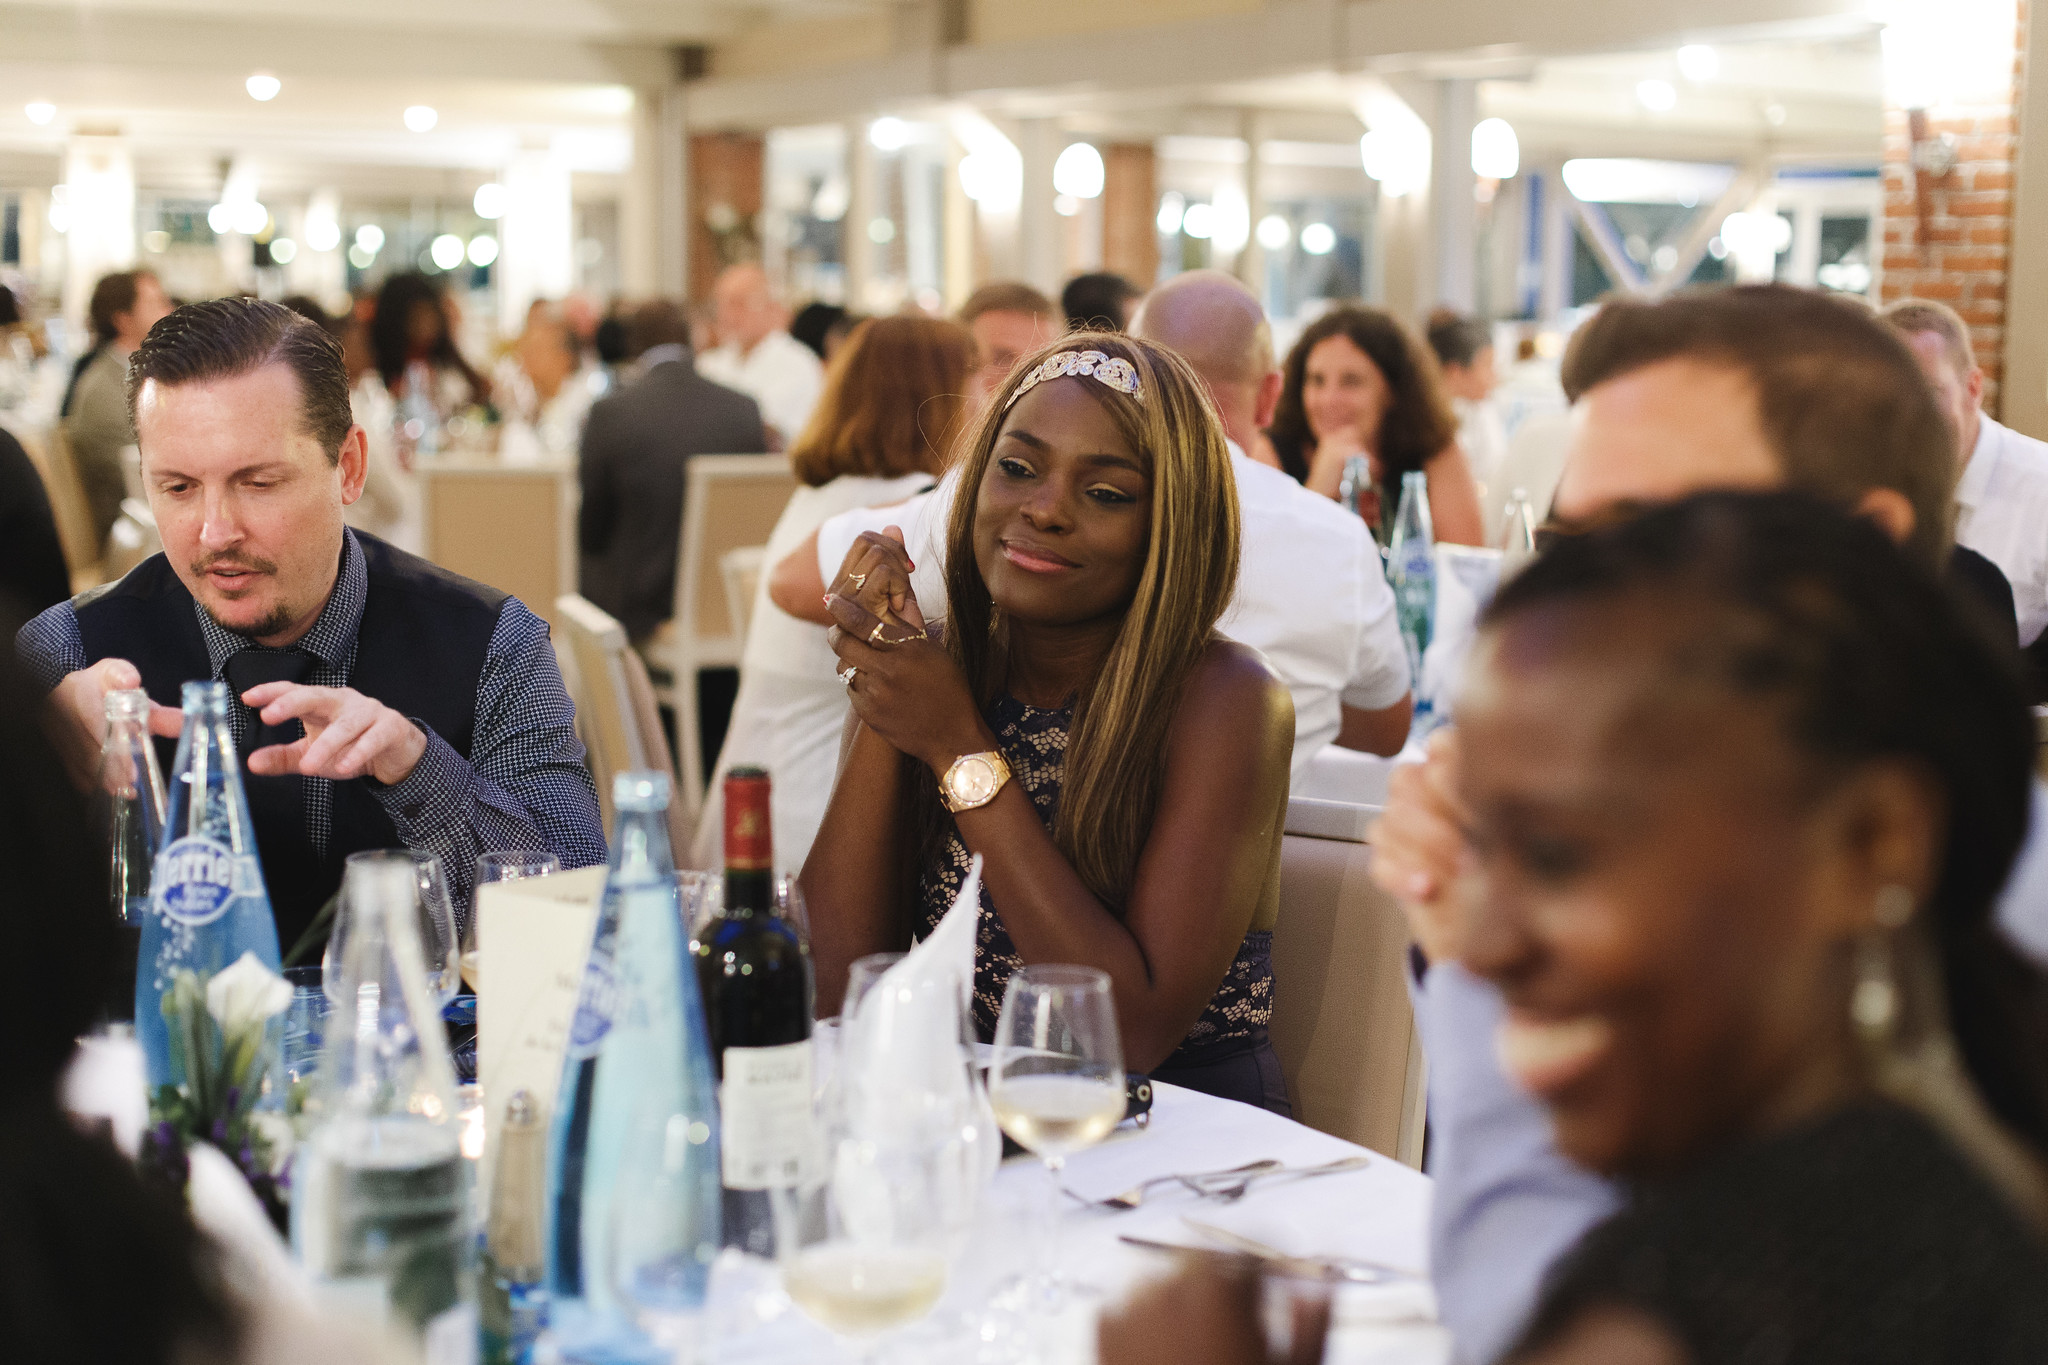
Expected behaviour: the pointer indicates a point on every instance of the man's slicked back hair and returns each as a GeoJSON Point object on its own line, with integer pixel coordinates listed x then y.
{"type": "Point", "coordinates": [1842, 401]}
{"type": "Point", "coordinates": [1007, 296]}
{"type": "Point", "coordinates": [222, 338]}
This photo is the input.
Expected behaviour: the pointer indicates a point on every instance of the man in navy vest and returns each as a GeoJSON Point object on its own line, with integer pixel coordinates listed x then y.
{"type": "Point", "coordinates": [380, 701]}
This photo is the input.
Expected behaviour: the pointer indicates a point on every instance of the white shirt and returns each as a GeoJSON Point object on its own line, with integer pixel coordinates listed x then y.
{"type": "Point", "coordinates": [1311, 595]}
{"type": "Point", "coordinates": [781, 374]}
{"type": "Point", "coordinates": [2002, 514]}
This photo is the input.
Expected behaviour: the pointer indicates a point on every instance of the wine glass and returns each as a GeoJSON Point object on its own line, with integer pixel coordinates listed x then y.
{"type": "Point", "coordinates": [861, 978]}
{"type": "Point", "coordinates": [509, 866]}
{"type": "Point", "coordinates": [878, 1259]}
{"type": "Point", "coordinates": [1056, 1080]}
{"type": "Point", "coordinates": [443, 955]}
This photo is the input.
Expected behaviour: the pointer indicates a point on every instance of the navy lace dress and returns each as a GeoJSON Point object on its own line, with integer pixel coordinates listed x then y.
{"type": "Point", "coordinates": [1227, 1053]}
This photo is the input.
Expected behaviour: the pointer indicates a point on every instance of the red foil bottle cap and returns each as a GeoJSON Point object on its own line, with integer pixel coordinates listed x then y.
{"type": "Point", "coordinates": [749, 837]}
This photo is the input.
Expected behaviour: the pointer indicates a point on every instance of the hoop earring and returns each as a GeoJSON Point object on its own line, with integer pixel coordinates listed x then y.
{"type": "Point", "coordinates": [1874, 1003]}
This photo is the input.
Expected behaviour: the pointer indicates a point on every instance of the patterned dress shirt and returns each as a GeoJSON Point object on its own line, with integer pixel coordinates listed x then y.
{"type": "Point", "coordinates": [524, 787]}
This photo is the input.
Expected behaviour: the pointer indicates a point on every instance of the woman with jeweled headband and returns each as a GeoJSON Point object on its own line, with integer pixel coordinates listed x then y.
{"type": "Point", "coordinates": [1078, 722]}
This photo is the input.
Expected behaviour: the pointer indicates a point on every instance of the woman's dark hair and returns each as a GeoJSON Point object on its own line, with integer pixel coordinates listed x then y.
{"type": "Point", "coordinates": [111, 297]}
{"type": "Point", "coordinates": [74, 1218]}
{"type": "Point", "coordinates": [813, 323]}
{"type": "Point", "coordinates": [1868, 658]}
{"type": "Point", "coordinates": [1418, 422]}
{"type": "Point", "coordinates": [231, 336]}
{"type": "Point", "coordinates": [390, 332]}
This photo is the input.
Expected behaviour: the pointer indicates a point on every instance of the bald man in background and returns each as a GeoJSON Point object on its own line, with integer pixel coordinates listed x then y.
{"type": "Point", "coordinates": [1311, 595]}
{"type": "Point", "coordinates": [757, 355]}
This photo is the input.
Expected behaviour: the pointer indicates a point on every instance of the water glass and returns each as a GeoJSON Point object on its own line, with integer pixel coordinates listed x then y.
{"type": "Point", "coordinates": [861, 978]}
{"type": "Point", "coordinates": [437, 928]}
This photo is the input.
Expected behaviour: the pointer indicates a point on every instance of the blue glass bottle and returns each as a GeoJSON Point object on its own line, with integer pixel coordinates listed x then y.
{"type": "Point", "coordinates": [209, 997]}
{"type": "Point", "coordinates": [633, 1171]}
{"type": "Point", "coordinates": [1411, 569]}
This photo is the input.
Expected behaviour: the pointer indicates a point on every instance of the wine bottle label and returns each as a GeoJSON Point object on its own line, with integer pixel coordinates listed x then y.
{"type": "Point", "coordinates": [195, 880]}
{"type": "Point", "coordinates": [766, 1135]}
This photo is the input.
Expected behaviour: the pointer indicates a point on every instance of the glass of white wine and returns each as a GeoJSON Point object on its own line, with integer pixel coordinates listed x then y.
{"type": "Point", "coordinates": [1056, 1079]}
{"type": "Point", "coordinates": [878, 1259]}
{"type": "Point", "coordinates": [499, 867]}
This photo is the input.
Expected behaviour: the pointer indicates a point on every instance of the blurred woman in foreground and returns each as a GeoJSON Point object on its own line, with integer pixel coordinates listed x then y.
{"type": "Point", "coordinates": [1742, 787]}
{"type": "Point", "coordinates": [881, 432]}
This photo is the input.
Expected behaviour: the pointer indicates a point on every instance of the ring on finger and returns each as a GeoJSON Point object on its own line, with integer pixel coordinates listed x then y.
{"type": "Point", "coordinates": [854, 580]}
{"type": "Point", "coordinates": [846, 674]}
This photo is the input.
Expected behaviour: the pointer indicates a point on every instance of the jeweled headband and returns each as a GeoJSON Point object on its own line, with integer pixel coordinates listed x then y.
{"type": "Point", "coordinates": [1114, 371]}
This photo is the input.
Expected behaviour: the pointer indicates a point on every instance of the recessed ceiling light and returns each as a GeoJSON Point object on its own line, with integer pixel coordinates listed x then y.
{"type": "Point", "coordinates": [263, 86]}
{"type": "Point", "coordinates": [421, 117]}
{"type": "Point", "coordinates": [39, 111]}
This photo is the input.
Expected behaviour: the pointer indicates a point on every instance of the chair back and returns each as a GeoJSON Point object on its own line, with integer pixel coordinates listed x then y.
{"type": "Point", "coordinates": [1342, 1024]}
{"type": "Point", "coordinates": [615, 711]}
{"type": "Point", "coordinates": [741, 570]}
{"type": "Point", "coordinates": [59, 467]}
{"type": "Point", "coordinates": [510, 526]}
{"type": "Point", "coordinates": [731, 502]}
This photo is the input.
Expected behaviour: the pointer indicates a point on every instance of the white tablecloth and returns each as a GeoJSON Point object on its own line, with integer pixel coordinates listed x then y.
{"type": "Point", "coordinates": [1379, 1213]}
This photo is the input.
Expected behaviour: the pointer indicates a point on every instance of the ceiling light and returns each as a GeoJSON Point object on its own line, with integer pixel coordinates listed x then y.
{"type": "Point", "coordinates": [992, 178]}
{"type": "Point", "coordinates": [1496, 151]}
{"type": "Point", "coordinates": [1397, 156]}
{"type": "Point", "coordinates": [1657, 96]}
{"type": "Point", "coordinates": [1065, 205]}
{"type": "Point", "coordinates": [483, 249]}
{"type": "Point", "coordinates": [322, 234]}
{"type": "Point", "coordinates": [447, 251]}
{"type": "Point", "coordinates": [248, 217]}
{"type": "Point", "coordinates": [888, 134]}
{"type": "Point", "coordinates": [359, 258]}
{"type": "Point", "coordinates": [1698, 62]}
{"type": "Point", "coordinates": [1199, 221]}
{"type": "Point", "coordinates": [1274, 232]}
{"type": "Point", "coordinates": [370, 238]}
{"type": "Point", "coordinates": [221, 218]}
{"type": "Point", "coordinates": [489, 201]}
{"type": "Point", "coordinates": [283, 250]}
{"type": "Point", "coordinates": [264, 87]}
{"type": "Point", "coordinates": [1319, 239]}
{"type": "Point", "coordinates": [39, 111]}
{"type": "Point", "coordinates": [1171, 208]}
{"type": "Point", "coordinates": [1078, 171]}
{"type": "Point", "coordinates": [421, 117]}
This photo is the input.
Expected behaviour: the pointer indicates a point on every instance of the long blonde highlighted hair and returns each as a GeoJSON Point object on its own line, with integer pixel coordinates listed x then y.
{"type": "Point", "coordinates": [1116, 749]}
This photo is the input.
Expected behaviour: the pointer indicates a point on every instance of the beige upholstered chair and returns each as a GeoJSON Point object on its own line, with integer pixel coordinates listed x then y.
{"type": "Point", "coordinates": [741, 571]}
{"type": "Point", "coordinates": [615, 710]}
{"type": "Point", "coordinates": [53, 459]}
{"type": "Point", "coordinates": [510, 526]}
{"type": "Point", "coordinates": [1341, 1018]}
{"type": "Point", "coordinates": [731, 502]}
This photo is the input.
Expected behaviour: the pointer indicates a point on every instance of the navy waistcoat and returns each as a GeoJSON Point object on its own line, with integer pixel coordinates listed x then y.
{"type": "Point", "coordinates": [420, 649]}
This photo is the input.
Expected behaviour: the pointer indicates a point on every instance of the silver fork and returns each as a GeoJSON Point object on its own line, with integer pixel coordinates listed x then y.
{"type": "Point", "coordinates": [1135, 1195]}
{"type": "Point", "coordinates": [1227, 1192]}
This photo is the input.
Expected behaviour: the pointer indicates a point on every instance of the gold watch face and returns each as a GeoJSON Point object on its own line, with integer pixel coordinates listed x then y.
{"type": "Point", "coordinates": [971, 781]}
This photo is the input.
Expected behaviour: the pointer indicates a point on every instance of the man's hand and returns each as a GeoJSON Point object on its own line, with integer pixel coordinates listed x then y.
{"type": "Point", "coordinates": [347, 734]}
{"type": "Point", "coordinates": [78, 707]}
{"type": "Point", "coordinates": [1419, 851]}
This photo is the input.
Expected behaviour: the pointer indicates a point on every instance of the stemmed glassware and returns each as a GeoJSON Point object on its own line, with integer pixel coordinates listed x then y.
{"type": "Point", "coordinates": [1056, 1080]}
{"type": "Point", "coordinates": [439, 944]}
{"type": "Point", "coordinates": [509, 866]}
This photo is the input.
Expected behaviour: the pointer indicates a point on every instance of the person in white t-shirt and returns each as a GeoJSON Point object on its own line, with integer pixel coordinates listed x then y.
{"type": "Point", "coordinates": [757, 355]}
{"type": "Point", "coordinates": [1311, 595]}
{"type": "Point", "coordinates": [2002, 494]}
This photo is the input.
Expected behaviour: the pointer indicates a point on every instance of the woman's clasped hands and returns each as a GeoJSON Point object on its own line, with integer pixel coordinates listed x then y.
{"type": "Point", "coordinates": [904, 685]}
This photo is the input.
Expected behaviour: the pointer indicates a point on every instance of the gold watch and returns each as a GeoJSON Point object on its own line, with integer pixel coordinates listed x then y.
{"type": "Point", "coordinates": [973, 780]}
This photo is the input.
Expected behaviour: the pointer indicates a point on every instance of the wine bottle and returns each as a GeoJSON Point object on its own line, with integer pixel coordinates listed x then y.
{"type": "Point", "coordinates": [132, 793]}
{"type": "Point", "coordinates": [633, 1205]}
{"type": "Point", "coordinates": [754, 969]}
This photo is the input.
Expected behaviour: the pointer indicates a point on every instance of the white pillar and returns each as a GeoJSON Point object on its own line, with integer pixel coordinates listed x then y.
{"type": "Point", "coordinates": [1451, 184]}
{"type": "Point", "coordinates": [99, 212]}
{"type": "Point", "coordinates": [640, 201]}
{"type": "Point", "coordinates": [1038, 225]}
{"type": "Point", "coordinates": [856, 251]}
{"type": "Point", "coordinates": [536, 246]}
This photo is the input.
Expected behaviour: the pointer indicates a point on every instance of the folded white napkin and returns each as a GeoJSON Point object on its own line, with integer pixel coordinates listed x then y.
{"type": "Point", "coordinates": [908, 1074]}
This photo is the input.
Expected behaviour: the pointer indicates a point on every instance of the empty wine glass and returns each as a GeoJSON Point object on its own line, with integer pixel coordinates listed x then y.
{"type": "Point", "coordinates": [861, 978]}
{"type": "Point", "coordinates": [878, 1259]}
{"type": "Point", "coordinates": [508, 866]}
{"type": "Point", "coordinates": [1056, 1080]}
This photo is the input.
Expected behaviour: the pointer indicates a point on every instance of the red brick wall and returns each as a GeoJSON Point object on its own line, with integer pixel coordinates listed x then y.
{"type": "Point", "coordinates": [1961, 257]}
{"type": "Point", "coordinates": [724, 205]}
{"type": "Point", "coordinates": [1130, 211]}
